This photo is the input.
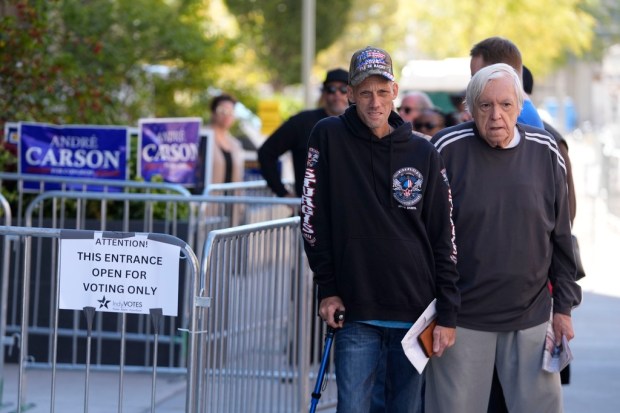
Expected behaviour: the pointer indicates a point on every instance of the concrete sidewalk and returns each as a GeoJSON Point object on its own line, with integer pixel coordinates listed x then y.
{"type": "Point", "coordinates": [595, 370]}
{"type": "Point", "coordinates": [103, 392]}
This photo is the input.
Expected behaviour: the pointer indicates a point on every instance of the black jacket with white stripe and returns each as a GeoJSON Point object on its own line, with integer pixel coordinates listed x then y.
{"type": "Point", "coordinates": [512, 228]}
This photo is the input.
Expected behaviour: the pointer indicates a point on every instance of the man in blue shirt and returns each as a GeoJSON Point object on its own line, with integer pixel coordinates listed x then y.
{"type": "Point", "coordinates": [500, 50]}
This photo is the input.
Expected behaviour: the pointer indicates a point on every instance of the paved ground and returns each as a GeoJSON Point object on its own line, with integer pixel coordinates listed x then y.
{"type": "Point", "coordinates": [103, 394]}
{"type": "Point", "coordinates": [595, 378]}
{"type": "Point", "coordinates": [595, 385]}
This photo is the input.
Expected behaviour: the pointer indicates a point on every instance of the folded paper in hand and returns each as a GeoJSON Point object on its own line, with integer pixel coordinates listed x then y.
{"type": "Point", "coordinates": [555, 358]}
{"type": "Point", "coordinates": [410, 343]}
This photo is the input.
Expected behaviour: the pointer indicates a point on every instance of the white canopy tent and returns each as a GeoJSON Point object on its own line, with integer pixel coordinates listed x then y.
{"type": "Point", "coordinates": [447, 75]}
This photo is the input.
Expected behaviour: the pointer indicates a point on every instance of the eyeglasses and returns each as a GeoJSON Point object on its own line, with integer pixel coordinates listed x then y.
{"type": "Point", "coordinates": [408, 109]}
{"type": "Point", "coordinates": [424, 125]}
{"type": "Point", "coordinates": [330, 90]}
{"type": "Point", "coordinates": [224, 112]}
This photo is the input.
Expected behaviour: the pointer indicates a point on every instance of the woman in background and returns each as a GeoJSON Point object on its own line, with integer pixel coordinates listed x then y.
{"type": "Point", "coordinates": [228, 162]}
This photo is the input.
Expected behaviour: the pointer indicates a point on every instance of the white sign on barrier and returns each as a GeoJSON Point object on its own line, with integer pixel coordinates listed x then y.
{"type": "Point", "coordinates": [118, 272]}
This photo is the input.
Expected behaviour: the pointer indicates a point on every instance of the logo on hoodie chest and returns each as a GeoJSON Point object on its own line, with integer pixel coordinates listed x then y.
{"type": "Point", "coordinates": [407, 186]}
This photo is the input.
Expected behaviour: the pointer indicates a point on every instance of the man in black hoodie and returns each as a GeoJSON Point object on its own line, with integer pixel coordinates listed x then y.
{"type": "Point", "coordinates": [379, 237]}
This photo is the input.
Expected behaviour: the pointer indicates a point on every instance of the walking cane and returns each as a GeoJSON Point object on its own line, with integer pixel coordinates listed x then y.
{"type": "Point", "coordinates": [329, 338]}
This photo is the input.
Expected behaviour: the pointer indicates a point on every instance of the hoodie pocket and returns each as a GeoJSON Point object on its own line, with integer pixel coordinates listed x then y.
{"type": "Point", "coordinates": [386, 271]}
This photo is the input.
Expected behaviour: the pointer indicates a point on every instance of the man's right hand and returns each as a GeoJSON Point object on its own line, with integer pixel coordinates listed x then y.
{"type": "Point", "coordinates": [443, 338]}
{"type": "Point", "coordinates": [327, 309]}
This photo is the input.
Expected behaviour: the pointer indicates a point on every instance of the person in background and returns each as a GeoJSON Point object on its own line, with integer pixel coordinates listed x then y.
{"type": "Point", "coordinates": [528, 87]}
{"type": "Point", "coordinates": [412, 104]}
{"type": "Point", "coordinates": [500, 50]}
{"type": "Point", "coordinates": [293, 134]}
{"type": "Point", "coordinates": [228, 161]}
{"type": "Point", "coordinates": [432, 121]}
{"type": "Point", "coordinates": [460, 113]}
{"type": "Point", "coordinates": [513, 235]}
{"type": "Point", "coordinates": [378, 235]}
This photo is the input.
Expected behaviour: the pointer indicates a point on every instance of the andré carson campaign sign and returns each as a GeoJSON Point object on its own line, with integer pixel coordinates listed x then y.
{"type": "Point", "coordinates": [75, 151]}
{"type": "Point", "coordinates": [168, 147]}
{"type": "Point", "coordinates": [118, 272]}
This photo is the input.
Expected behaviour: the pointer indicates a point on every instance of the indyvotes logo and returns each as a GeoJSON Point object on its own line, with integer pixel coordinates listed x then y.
{"type": "Point", "coordinates": [120, 305]}
{"type": "Point", "coordinates": [103, 302]}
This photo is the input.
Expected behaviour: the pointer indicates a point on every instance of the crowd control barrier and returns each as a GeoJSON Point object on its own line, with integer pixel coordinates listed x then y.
{"type": "Point", "coordinates": [76, 327]}
{"type": "Point", "coordinates": [257, 342]}
{"type": "Point", "coordinates": [46, 210]}
{"type": "Point", "coordinates": [5, 210]}
{"type": "Point", "coordinates": [26, 186]}
{"type": "Point", "coordinates": [253, 212]}
{"type": "Point", "coordinates": [5, 252]}
{"type": "Point", "coordinates": [51, 209]}
{"type": "Point", "coordinates": [227, 205]}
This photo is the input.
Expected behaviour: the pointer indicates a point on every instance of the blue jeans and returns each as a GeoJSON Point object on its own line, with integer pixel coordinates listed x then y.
{"type": "Point", "coordinates": [358, 350]}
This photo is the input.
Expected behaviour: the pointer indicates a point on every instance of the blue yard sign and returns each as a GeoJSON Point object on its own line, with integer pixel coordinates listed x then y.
{"type": "Point", "coordinates": [168, 148]}
{"type": "Point", "coordinates": [73, 151]}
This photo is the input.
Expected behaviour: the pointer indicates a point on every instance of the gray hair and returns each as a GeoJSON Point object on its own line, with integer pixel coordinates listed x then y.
{"type": "Point", "coordinates": [425, 100]}
{"type": "Point", "coordinates": [482, 77]}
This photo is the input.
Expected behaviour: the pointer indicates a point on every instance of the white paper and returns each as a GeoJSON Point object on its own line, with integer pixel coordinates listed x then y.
{"type": "Point", "coordinates": [555, 358]}
{"type": "Point", "coordinates": [410, 343]}
{"type": "Point", "coordinates": [132, 276]}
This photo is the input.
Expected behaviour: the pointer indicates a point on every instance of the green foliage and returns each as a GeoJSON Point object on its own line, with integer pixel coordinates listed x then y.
{"type": "Point", "coordinates": [545, 32]}
{"type": "Point", "coordinates": [273, 28]}
{"type": "Point", "coordinates": [369, 22]}
{"type": "Point", "coordinates": [77, 62]}
{"type": "Point", "coordinates": [70, 61]}
{"type": "Point", "coordinates": [26, 75]}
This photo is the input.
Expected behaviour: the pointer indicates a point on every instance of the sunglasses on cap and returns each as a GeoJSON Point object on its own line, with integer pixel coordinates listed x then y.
{"type": "Point", "coordinates": [425, 125]}
{"type": "Point", "coordinates": [330, 90]}
{"type": "Point", "coordinates": [408, 109]}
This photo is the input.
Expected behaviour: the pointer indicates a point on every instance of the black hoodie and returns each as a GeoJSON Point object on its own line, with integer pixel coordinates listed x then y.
{"type": "Point", "coordinates": [376, 221]}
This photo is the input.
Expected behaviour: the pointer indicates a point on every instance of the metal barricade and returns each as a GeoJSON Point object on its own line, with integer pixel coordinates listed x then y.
{"type": "Point", "coordinates": [46, 205]}
{"type": "Point", "coordinates": [76, 334]}
{"type": "Point", "coordinates": [18, 183]}
{"type": "Point", "coordinates": [197, 227]}
{"type": "Point", "coordinates": [5, 210]}
{"type": "Point", "coordinates": [5, 252]}
{"type": "Point", "coordinates": [256, 355]}
{"type": "Point", "coordinates": [254, 212]}
{"type": "Point", "coordinates": [40, 325]}
{"type": "Point", "coordinates": [100, 214]}
{"type": "Point", "coordinates": [43, 262]}
{"type": "Point", "coordinates": [190, 219]}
